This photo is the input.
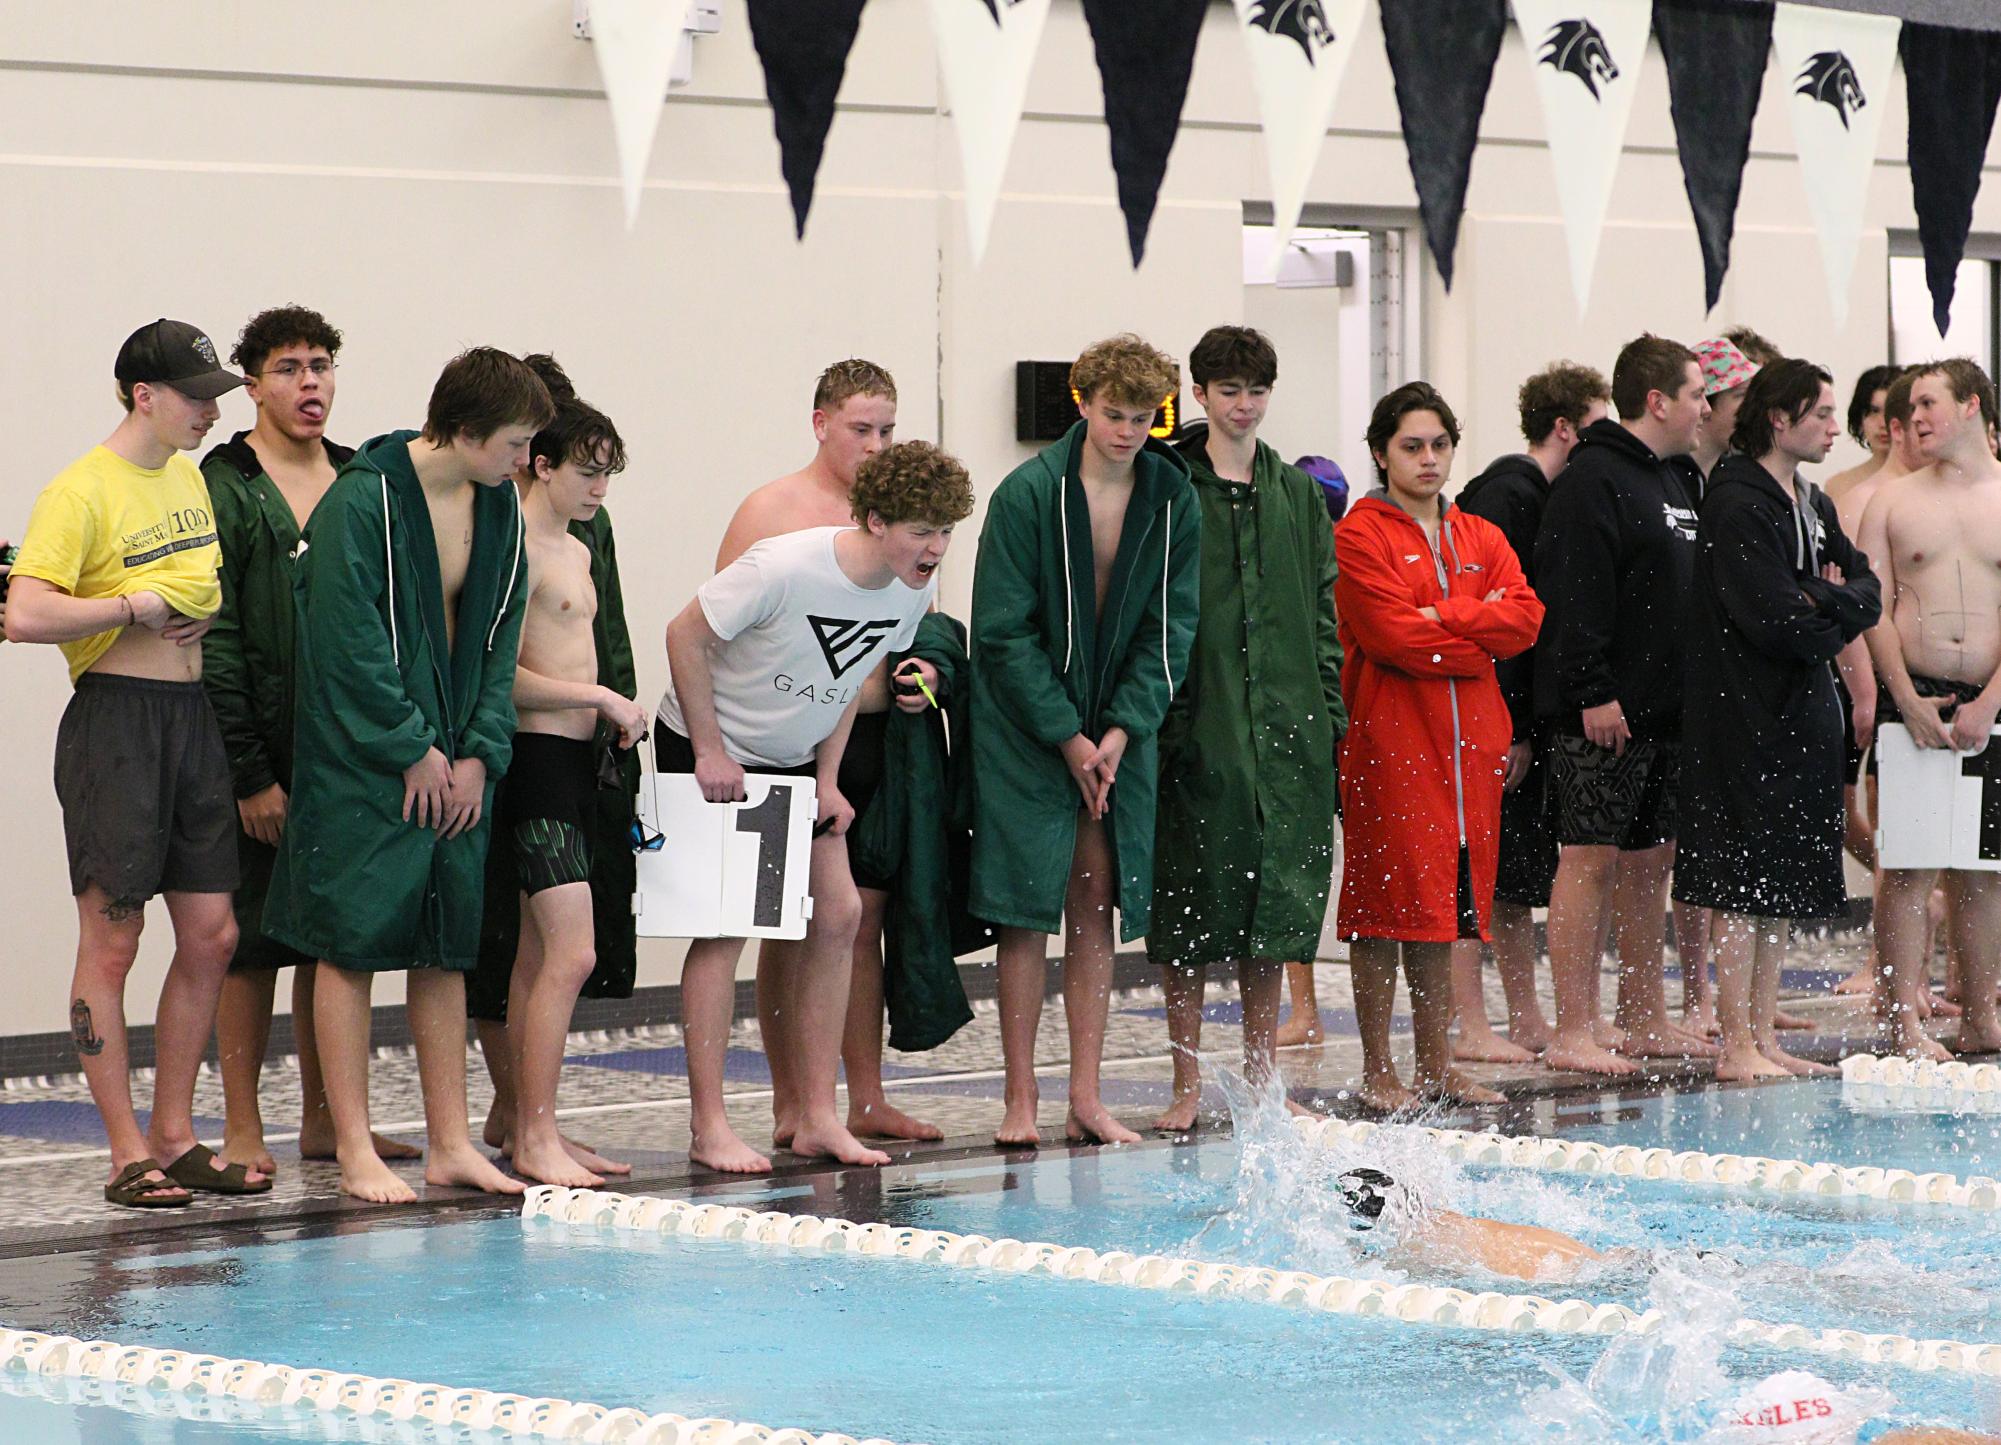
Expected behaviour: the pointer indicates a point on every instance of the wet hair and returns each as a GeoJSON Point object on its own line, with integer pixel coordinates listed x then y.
{"type": "Point", "coordinates": [1562, 391]}
{"type": "Point", "coordinates": [1394, 407]}
{"type": "Point", "coordinates": [1233, 353]}
{"type": "Point", "coordinates": [1648, 364]}
{"type": "Point", "coordinates": [1897, 398]}
{"type": "Point", "coordinates": [1760, 351]}
{"type": "Point", "coordinates": [1791, 386]}
{"type": "Point", "coordinates": [1875, 379]}
{"type": "Point", "coordinates": [1127, 370]}
{"type": "Point", "coordinates": [579, 433]}
{"type": "Point", "coordinates": [851, 378]}
{"type": "Point", "coordinates": [278, 328]}
{"type": "Point", "coordinates": [1966, 380]}
{"type": "Point", "coordinates": [482, 390]}
{"type": "Point", "coordinates": [554, 378]}
{"type": "Point", "coordinates": [913, 482]}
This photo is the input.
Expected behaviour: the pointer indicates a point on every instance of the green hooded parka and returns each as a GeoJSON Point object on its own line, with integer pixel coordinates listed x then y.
{"type": "Point", "coordinates": [247, 662]}
{"type": "Point", "coordinates": [1245, 849]}
{"type": "Point", "coordinates": [1046, 667]}
{"type": "Point", "coordinates": [378, 686]}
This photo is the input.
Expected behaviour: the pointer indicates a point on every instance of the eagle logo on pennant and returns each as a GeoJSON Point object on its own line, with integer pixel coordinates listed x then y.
{"type": "Point", "coordinates": [1830, 78]}
{"type": "Point", "coordinates": [994, 7]}
{"type": "Point", "coordinates": [1577, 48]}
{"type": "Point", "coordinates": [1301, 21]}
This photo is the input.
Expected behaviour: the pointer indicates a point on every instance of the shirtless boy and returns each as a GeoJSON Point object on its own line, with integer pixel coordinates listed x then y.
{"type": "Point", "coordinates": [760, 684]}
{"type": "Point", "coordinates": [854, 417]}
{"type": "Point", "coordinates": [1084, 609]}
{"type": "Point", "coordinates": [414, 592]}
{"type": "Point", "coordinates": [119, 568]}
{"type": "Point", "coordinates": [1869, 426]}
{"type": "Point", "coordinates": [1936, 536]}
{"type": "Point", "coordinates": [551, 797]}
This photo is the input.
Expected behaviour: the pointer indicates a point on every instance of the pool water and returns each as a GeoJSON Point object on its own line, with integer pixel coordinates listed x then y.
{"type": "Point", "coordinates": [893, 1348]}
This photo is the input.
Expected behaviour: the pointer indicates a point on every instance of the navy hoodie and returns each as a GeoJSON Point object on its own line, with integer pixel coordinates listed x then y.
{"type": "Point", "coordinates": [1613, 561]}
{"type": "Point", "coordinates": [1511, 494]}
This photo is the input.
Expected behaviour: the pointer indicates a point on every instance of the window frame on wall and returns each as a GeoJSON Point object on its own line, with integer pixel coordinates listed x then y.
{"type": "Point", "coordinates": [1983, 251]}
{"type": "Point", "coordinates": [1397, 259]}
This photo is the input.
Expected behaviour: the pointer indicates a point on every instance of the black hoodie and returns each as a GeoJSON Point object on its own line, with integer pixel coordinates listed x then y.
{"type": "Point", "coordinates": [1613, 561]}
{"type": "Point", "coordinates": [1511, 494]}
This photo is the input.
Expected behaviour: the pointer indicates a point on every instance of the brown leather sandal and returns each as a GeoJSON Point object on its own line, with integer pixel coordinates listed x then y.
{"type": "Point", "coordinates": [133, 1190]}
{"type": "Point", "coordinates": [196, 1170]}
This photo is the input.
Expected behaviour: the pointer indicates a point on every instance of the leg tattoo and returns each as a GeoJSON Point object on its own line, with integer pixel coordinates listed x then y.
{"type": "Point", "coordinates": [81, 1030]}
{"type": "Point", "coordinates": [118, 910]}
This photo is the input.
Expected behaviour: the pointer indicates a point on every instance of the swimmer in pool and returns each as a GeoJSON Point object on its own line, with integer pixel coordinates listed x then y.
{"type": "Point", "coordinates": [1442, 1241]}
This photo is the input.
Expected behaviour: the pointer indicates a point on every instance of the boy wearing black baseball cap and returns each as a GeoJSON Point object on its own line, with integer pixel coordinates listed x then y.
{"type": "Point", "coordinates": [120, 569]}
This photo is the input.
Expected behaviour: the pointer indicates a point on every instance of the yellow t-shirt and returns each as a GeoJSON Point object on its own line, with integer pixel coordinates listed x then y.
{"type": "Point", "coordinates": [107, 528]}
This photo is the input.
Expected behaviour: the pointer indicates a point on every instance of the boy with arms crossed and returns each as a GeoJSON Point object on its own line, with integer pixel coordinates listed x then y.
{"type": "Point", "coordinates": [412, 591]}
{"type": "Point", "coordinates": [1244, 850]}
{"type": "Point", "coordinates": [119, 568]}
{"type": "Point", "coordinates": [1084, 608]}
{"type": "Point", "coordinates": [265, 483]}
{"type": "Point", "coordinates": [766, 666]}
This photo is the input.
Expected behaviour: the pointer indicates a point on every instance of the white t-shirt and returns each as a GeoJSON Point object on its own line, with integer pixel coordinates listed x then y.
{"type": "Point", "coordinates": [800, 639]}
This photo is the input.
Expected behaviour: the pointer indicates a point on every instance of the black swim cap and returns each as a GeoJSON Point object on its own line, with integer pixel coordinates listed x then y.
{"type": "Point", "coordinates": [1366, 1192]}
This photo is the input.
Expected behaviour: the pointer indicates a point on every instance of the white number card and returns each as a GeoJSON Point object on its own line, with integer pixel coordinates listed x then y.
{"type": "Point", "coordinates": [725, 870]}
{"type": "Point", "coordinates": [1936, 808]}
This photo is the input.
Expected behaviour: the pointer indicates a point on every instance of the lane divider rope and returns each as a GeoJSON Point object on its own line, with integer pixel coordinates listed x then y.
{"type": "Point", "coordinates": [364, 1395]}
{"type": "Point", "coordinates": [1896, 1073]}
{"type": "Point", "coordinates": [1688, 1166]}
{"type": "Point", "coordinates": [1408, 1303]}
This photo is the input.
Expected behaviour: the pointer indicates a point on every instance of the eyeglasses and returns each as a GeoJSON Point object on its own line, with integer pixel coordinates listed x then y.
{"type": "Point", "coordinates": [289, 370]}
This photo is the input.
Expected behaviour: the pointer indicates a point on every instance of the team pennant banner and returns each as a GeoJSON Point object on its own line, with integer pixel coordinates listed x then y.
{"type": "Point", "coordinates": [1442, 55]}
{"type": "Point", "coordinates": [1299, 51]}
{"type": "Point", "coordinates": [1952, 81]}
{"type": "Point", "coordinates": [635, 42]}
{"type": "Point", "coordinates": [803, 46]}
{"type": "Point", "coordinates": [985, 51]}
{"type": "Point", "coordinates": [1145, 55]}
{"type": "Point", "coordinates": [1587, 56]}
{"type": "Point", "coordinates": [1836, 65]}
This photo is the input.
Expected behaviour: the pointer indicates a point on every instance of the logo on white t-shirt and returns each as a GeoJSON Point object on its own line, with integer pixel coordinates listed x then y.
{"type": "Point", "coordinates": [845, 641]}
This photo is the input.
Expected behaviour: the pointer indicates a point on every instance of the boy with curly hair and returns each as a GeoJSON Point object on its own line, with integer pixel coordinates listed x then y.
{"type": "Point", "coordinates": [767, 664]}
{"type": "Point", "coordinates": [1084, 604]}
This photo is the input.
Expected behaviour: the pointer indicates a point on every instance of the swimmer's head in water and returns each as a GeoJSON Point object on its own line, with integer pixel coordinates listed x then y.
{"type": "Point", "coordinates": [1369, 1194]}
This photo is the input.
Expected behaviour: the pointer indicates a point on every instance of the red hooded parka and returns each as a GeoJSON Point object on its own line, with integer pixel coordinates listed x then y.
{"type": "Point", "coordinates": [1428, 730]}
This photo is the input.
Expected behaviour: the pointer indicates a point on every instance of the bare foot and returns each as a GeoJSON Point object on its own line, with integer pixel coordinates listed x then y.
{"type": "Point", "coordinates": [1798, 1067]}
{"type": "Point", "coordinates": [883, 1120]}
{"type": "Point", "coordinates": [1457, 1088]}
{"type": "Point", "coordinates": [1667, 1042]}
{"type": "Point", "coordinates": [1607, 1035]}
{"type": "Point", "coordinates": [1094, 1124]}
{"type": "Point", "coordinates": [1915, 1043]}
{"type": "Point", "coordinates": [1701, 1022]}
{"type": "Point", "coordinates": [1863, 980]}
{"type": "Point", "coordinates": [1534, 1037]}
{"type": "Point", "coordinates": [369, 1178]}
{"type": "Point", "coordinates": [1487, 1047]}
{"type": "Point", "coordinates": [1742, 1066]}
{"type": "Point", "coordinates": [1181, 1115]}
{"type": "Point", "coordinates": [317, 1142]}
{"type": "Point", "coordinates": [1783, 1020]}
{"type": "Point", "coordinates": [499, 1131]}
{"type": "Point", "coordinates": [591, 1159]}
{"type": "Point", "coordinates": [1018, 1124]}
{"type": "Point", "coordinates": [553, 1166]}
{"type": "Point", "coordinates": [249, 1152]}
{"type": "Point", "coordinates": [1386, 1095]}
{"type": "Point", "coordinates": [1977, 1041]}
{"type": "Point", "coordinates": [1297, 1030]}
{"type": "Point", "coordinates": [465, 1167]}
{"type": "Point", "coordinates": [1586, 1057]}
{"type": "Point", "coordinates": [831, 1141]}
{"type": "Point", "coordinates": [724, 1151]}
{"type": "Point", "coordinates": [783, 1127]}
{"type": "Point", "coordinates": [1939, 1007]}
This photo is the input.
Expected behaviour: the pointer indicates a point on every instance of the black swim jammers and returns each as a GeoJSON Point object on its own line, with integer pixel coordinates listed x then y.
{"type": "Point", "coordinates": [550, 800]}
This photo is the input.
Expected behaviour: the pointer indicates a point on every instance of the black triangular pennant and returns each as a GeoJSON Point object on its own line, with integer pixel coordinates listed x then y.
{"type": "Point", "coordinates": [1715, 52]}
{"type": "Point", "coordinates": [1442, 55]}
{"type": "Point", "coordinates": [803, 46]}
{"type": "Point", "coordinates": [1145, 53]}
{"type": "Point", "coordinates": [1953, 80]}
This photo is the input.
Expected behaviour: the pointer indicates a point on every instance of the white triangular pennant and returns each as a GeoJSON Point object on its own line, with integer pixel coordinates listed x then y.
{"type": "Point", "coordinates": [635, 42]}
{"type": "Point", "coordinates": [985, 51]}
{"type": "Point", "coordinates": [1299, 51]}
{"type": "Point", "coordinates": [1836, 66]}
{"type": "Point", "coordinates": [1587, 56]}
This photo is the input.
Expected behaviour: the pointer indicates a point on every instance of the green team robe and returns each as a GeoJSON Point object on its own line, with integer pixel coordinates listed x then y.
{"type": "Point", "coordinates": [248, 661]}
{"type": "Point", "coordinates": [377, 687]}
{"type": "Point", "coordinates": [1245, 832]}
{"type": "Point", "coordinates": [1045, 667]}
{"type": "Point", "coordinates": [614, 866]}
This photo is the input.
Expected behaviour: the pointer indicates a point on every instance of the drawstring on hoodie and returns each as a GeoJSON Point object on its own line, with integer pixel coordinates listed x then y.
{"type": "Point", "coordinates": [520, 530]}
{"type": "Point", "coordinates": [389, 570]}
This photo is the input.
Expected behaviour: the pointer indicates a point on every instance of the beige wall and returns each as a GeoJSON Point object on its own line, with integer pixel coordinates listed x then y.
{"type": "Point", "coordinates": [437, 175]}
